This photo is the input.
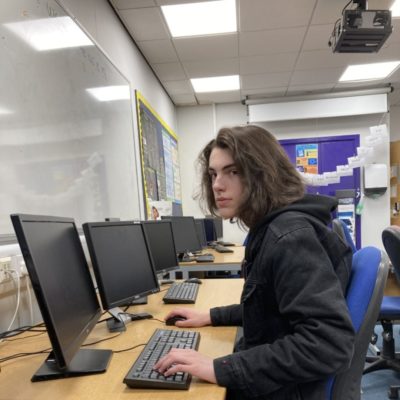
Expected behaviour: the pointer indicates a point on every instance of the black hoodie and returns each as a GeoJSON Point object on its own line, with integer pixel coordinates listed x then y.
{"type": "Point", "coordinates": [296, 327]}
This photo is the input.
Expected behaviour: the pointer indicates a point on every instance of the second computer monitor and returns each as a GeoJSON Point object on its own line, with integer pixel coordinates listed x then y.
{"type": "Point", "coordinates": [185, 235]}
{"type": "Point", "coordinates": [121, 261]}
{"type": "Point", "coordinates": [201, 231]}
{"type": "Point", "coordinates": [161, 244]}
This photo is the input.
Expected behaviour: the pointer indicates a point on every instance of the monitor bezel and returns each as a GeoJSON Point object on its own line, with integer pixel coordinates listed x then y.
{"type": "Point", "coordinates": [63, 356]}
{"type": "Point", "coordinates": [106, 304]}
{"type": "Point", "coordinates": [164, 221]}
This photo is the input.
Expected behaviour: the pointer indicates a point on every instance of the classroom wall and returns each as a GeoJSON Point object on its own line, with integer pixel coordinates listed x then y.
{"type": "Point", "coordinates": [101, 23]}
{"type": "Point", "coordinates": [198, 125]}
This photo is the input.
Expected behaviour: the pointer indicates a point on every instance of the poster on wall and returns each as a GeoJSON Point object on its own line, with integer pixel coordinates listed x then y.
{"type": "Point", "coordinates": [307, 158]}
{"type": "Point", "coordinates": [159, 160]}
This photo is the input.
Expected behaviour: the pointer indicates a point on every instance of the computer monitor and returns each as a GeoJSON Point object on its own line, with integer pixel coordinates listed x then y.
{"type": "Point", "coordinates": [161, 244]}
{"type": "Point", "coordinates": [218, 228]}
{"type": "Point", "coordinates": [185, 236]}
{"type": "Point", "coordinates": [209, 226]}
{"type": "Point", "coordinates": [122, 265]}
{"type": "Point", "coordinates": [201, 232]}
{"type": "Point", "coordinates": [65, 294]}
{"type": "Point", "coordinates": [217, 223]}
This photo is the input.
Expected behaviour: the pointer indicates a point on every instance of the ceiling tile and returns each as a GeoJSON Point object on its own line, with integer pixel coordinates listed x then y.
{"type": "Point", "coordinates": [316, 76]}
{"type": "Point", "coordinates": [169, 2]}
{"type": "Point", "coordinates": [275, 79]}
{"type": "Point", "coordinates": [207, 47]}
{"type": "Point", "coordinates": [327, 12]}
{"type": "Point", "coordinates": [308, 89]}
{"type": "Point", "coordinates": [184, 99]}
{"type": "Point", "coordinates": [317, 37]}
{"type": "Point", "coordinates": [169, 71]}
{"type": "Point", "coordinates": [178, 87]}
{"type": "Point", "coordinates": [126, 4]}
{"type": "Point", "coordinates": [260, 14]}
{"type": "Point", "coordinates": [219, 97]}
{"type": "Point", "coordinates": [200, 69]}
{"type": "Point", "coordinates": [145, 23]}
{"type": "Point", "coordinates": [158, 51]}
{"type": "Point", "coordinates": [271, 41]}
{"type": "Point", "coordinates": [264, 92]}
{"type": "Point", "coordinates": [264, 64]}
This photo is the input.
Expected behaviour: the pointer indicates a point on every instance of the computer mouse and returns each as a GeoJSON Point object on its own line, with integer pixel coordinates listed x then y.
{"type": "Point", "coordinates": [193, 280]}
{"type": "Point", "coordinates": [175, 318]}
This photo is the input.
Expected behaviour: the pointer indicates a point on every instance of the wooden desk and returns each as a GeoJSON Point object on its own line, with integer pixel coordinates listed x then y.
{"type": "Point", "coordinates": [222, 262]}
{"type": "Point", "coordinates": [15, 375]}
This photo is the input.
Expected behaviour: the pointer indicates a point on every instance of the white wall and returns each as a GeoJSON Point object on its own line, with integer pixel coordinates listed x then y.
{"type": "Point", "coordinates": [101, 23]}
{"type": "Point", "coordinates": [198, 125]}
{"type": "Point", "coordinates": [394, 123]}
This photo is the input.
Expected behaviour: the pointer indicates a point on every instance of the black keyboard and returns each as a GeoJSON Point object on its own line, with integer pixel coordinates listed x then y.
{"type": "Point", "coordinates": [142, 375]}
{"type": "Point", "coordinates": [222, 249]}
{"type": "Point", "coordinates": [182, 293]}
{"type": "Point", "coordinates": [226, 244]}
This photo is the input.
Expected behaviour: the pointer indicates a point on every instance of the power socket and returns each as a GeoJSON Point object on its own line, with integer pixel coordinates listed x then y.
{"type": "Point", "coordinates": [5, 265]}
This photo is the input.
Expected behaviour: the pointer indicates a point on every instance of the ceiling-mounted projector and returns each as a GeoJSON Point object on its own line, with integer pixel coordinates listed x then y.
{"type": "Point", "coordinates": [361, 30]}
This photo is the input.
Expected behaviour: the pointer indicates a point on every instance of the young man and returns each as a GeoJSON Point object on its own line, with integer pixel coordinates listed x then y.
{"type": "Point", "coordinates": [296, 327]}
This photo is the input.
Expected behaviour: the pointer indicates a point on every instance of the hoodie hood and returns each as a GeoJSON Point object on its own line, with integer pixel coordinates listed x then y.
{"type": "Point", "coordinates": [317, 206]}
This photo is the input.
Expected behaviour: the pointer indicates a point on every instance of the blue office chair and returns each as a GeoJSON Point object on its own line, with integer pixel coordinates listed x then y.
{"type": "Point", "coordinates": [389, 312]}
{"type": "Point", "coordinates": [364, 295]}
{"type": "Point", "coordinates": [341, 228]}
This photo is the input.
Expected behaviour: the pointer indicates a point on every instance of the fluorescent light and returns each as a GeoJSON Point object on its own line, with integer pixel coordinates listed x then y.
{"type": "Point", "coordinates": [50, 33]}
{"type": "Point", "coordinates": [205, 18]}
{"type": "Point", "coordinates": [216, 84]}
{"type": "Point", "coordinates": [110, 93]}
{"type": "Point", "coordinates": [365, 72]}
{"type": "Point", "coordinates": [395, 9]}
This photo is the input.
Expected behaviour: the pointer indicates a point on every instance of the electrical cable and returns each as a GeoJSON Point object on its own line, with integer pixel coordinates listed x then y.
{"type": "Point", "coordinates": [18, 284]}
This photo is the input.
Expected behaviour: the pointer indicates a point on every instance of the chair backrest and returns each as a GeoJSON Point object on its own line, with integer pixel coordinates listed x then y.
{"type": "Point", "coordinates": [341, 228]}
{"type": "Point", "coordinates": [391, 242]}
{"type": "Point", "coordinates": [364, 296]}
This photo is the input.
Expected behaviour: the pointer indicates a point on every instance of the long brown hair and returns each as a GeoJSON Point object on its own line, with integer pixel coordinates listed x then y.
{"type": "Point", "coordinates": [269, 179]}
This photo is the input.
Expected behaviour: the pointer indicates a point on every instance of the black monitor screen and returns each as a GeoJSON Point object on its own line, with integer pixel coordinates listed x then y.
{"type": "Point", "coordinates": [161, 244]}
{"type": "Point", "coordinates": [210, 229]}
{"type": "Point", "coordinates": [218, 227]}
{"type": "Point", "coordinates": [61, 280]}
{"type": "Point", "coordinates": [121, 262]}
{"type": "Point", "coordinates": [201, 232]}
{"type": "Point", "coordinates": [185, 235]}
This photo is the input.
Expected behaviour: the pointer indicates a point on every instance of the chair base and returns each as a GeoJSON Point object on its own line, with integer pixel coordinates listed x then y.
{"type": "Point", "coordinates": [393, 392]}
{"type": "Point", "coordinates": [378, 363]}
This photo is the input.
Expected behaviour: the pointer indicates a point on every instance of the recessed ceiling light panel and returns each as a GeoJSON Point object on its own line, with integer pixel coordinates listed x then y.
{"type": "Point", "coordinates": [365, 72]}
{"type": "Point", "coordinates": [216, 84]}
{"type": "Point", "coordinates": [204, 18]}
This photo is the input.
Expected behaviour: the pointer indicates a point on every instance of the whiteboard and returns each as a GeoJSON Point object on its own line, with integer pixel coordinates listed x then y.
{"type": "Point", "coordinates": [62, 151]}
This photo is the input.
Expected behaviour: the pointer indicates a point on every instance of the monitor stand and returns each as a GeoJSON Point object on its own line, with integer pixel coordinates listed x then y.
{"type": "Point", "coordinates": [119, 319]}
{"type": "Point", "coordinates": [85, 362]}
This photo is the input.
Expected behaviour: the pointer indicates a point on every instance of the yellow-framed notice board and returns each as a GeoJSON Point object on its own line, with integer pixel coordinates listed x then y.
{"type": "Point", "coordinates": [159, 161]}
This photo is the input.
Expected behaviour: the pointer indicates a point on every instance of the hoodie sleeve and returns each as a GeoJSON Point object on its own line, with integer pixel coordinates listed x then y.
{"type": "Point", "coordinates": [311, 301]}
{"type": "Point", "coordinates": [227, 316]}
